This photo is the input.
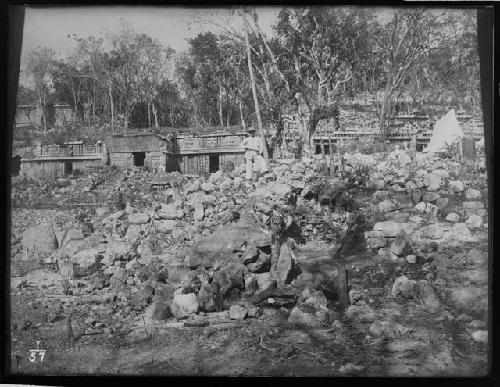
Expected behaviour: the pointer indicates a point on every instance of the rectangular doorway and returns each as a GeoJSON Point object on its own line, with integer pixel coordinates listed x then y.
{"type": "Point", "coordinates": [213, 163]}
{"type": "Point", "coordinates": [139, 159]}
{"type": "Point", "coordinates": [68, 167]}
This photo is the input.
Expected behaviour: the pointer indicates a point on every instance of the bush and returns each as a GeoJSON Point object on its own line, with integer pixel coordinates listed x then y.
{"type": "Point", "coordinates": [77, 172]}
{"type": "Point", "coordinates": [365, 146]}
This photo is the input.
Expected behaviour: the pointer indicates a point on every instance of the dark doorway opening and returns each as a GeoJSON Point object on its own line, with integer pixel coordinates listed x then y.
{"type": "Point", "coordinates": [327, 149]}
{"type": "Point", "coordinates": [318, 150]}
{"type": "Point", "coordinates": [213, 163]}
{"type": "Point", "coordinates": [172, 164]}
{"type": "Point", "coordinates": [139, 159]}
{"type": "Point", "coordinates": [68, 167]}
{"type": "Point", "coordinates": [16, 165]}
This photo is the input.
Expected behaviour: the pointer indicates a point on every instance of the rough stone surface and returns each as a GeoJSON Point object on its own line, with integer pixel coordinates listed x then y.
{"type": "Point", "coordinates": [39, 241]}
{"type": "Point", "coordinates": [474, 221]}
{"type": "Point", "coordinates": [401, 246]}
{"type": "Point", "coordinates": [184, 305]}
{"type": "Point", "coordinates": [431, 197]}
{"type": "Point", "coordinates": [285, 266]}
{"type": "Point", "coordinates": [166, 225]}
{"type": "Point", "coordinates": [426, 294]}
{"type": "Point", "coordinates": [307, 315]}
{"type": "Point", "coordinates": [138, 218]}
{"type": "Point", "coordinates": [432, 181]}
{"type": "Point", "coordinates": [388, 229]}
{"type": "Point", "coordinates": [237, 312]}
{"type": "Point", "coordinates": [387, 206]}
{"type": "Point", "coordinates": [477, 257]}
{"type": "Point", "coordinates": [480, 336]}
{"type": "Point", "coordinates": [403, 287]}
{"type": "Point", "coordinates": [456, 186]}
{"type": "Point", "coordinates": [170, 211]}
{"type": "Point", "coordinates": [472, 194]}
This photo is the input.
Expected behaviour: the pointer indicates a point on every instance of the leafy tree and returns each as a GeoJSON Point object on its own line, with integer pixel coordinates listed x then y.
{"type": "Point", "coordinates": [319, 45]}
{"type": "Point", "coordinates": [40, 66]}
{"type": "Point", "coordinates": [410, 35]}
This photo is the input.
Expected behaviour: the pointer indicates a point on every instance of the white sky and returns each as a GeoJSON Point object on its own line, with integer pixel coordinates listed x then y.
{"type": "Point", "coordinates": [50, 27]}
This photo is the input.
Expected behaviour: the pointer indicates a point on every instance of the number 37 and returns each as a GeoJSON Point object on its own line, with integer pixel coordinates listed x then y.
{"type": "Point", "coordinates": [34, 353]}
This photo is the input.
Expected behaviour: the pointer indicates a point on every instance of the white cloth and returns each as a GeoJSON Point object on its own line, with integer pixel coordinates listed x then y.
{"type": "Point", "coordinates": [447, 131]}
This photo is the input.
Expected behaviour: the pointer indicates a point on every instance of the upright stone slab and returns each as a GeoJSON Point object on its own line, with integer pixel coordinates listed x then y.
{"type": "Point", "coordinates": [39, 241]}
{"type": "Point", "coordinates": [468, 148]}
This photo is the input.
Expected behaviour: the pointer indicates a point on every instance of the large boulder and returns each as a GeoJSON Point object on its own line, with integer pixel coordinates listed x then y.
{"type": "Point", "coordinates": [237, 312]}
{"type": "Point", "coordinates": [138, 218]}
{"type": "Point", "coordinates": [387, 206]}
{"type": "Point", "coordinates": [456, 186]}
{"type": "Point", "coordinates": [472, 194]}
{"type": "Point", "coordinates": [85, 258]}
{"type": "Point", "coordinates": [142, 297]}
{"type": "Point", "coordinates": [308, 315]}
{"type": "Point", "coordinates": [375, 239]}
{"type": "Point", "coordinates": [192, 187]}
{"type": "Point", "coordinates": [401, 246]}
{"type": "Point", "coordinates": [199, 212]}
{"type": "Point", "coordinates": [206, 298]}
{"type": "Point", "coordinates": [39, 241]}
{"type": "Point", "coordinates": [66, 267]}
{"type": "Point", "coordinates": [184, 305]}
{"type": "Point", "coordinates": [433, 232]}
{"type": "Point", "coordinates": [473, 207]}
{"type": "Point", "coordinates": [432, 181]}
{"type": "Point", "coordinates": [207, 187]}
{"type": "Point", "coordinates": [166, 225]}
{"type": "Point", "coordinates": [170, 211]}
{"type": "Point", "coordinates": [286, 268]}
{"type": "Point", "coordinates": [403, 287]}
{"type": "Point", "coordinates": [389, 229]}
{"type": "Point", "coordinates": [475, 221]}
{"type": "Point", "coordinates": [426, 295]}
{"type": "Point", "coordinates": [227, 239]}
{"type": "Point", "coordinates": [273, 188]}
{"type": "Point", "coordinates": [261, 265]}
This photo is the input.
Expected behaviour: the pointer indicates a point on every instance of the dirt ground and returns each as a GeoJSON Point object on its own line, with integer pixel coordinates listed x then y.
{"type": "Point", "coordinates": [263, 346]}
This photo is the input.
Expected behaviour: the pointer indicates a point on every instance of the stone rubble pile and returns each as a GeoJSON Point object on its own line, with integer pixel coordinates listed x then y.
{"type": "Point", "coordinates": [199, 246]}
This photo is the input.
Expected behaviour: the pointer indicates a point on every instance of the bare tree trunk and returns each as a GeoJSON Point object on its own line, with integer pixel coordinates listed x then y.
{"type": "Point", "coordinates": [75, 110]}
{"type": "Point", "coordinates": [93, 104]}
{"type": "Point", "coordinates": [228, 112]}
{"type": "Point", "coordinates": [149, 115]}
{"type": "Point", "coordinates": [383, 114]}
{"type": "Point", "coordinates": [221, 118]}
{"type": "Point", "coordinates": [243, 123]}
{"type": "Point", "coordinates": [112, 108]}
{"type": "Point", "coordinates": [155, 114]}
{"type": "Point", "coordinates": [254, 92]}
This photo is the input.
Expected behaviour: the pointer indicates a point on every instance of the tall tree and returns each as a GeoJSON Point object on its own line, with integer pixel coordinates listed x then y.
{"type": "Point", "coordinates": [40, 66]}
{"type": "Point", "coordinates": [319, 45]}
{"type": "Point", "coordinates": [254, 91]}
{"type": "Point", "coordinates": [410, 35]}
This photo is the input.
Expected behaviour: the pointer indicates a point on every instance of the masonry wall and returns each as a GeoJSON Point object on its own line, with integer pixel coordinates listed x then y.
{"type": "Point", "coordinates": [198, 164]}
{"type": "Point", "coordinates": [53, 169]}
{"type": "Point", "coordinates": [154, 160]}
{"type": "Point", "coordinates": [126, 160]}
{"type": "Point", "coordinates": [123, 160]}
